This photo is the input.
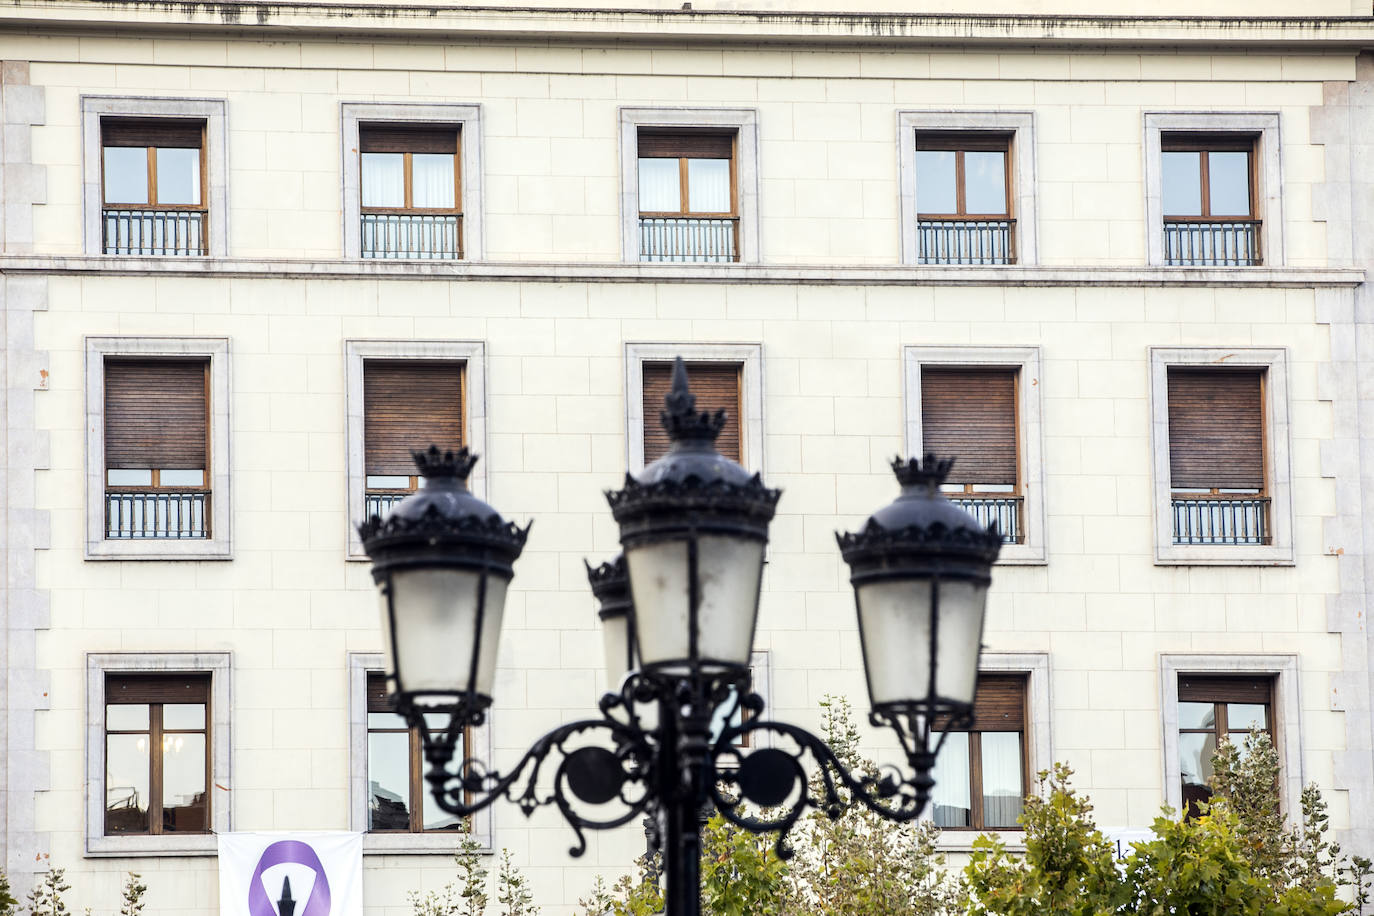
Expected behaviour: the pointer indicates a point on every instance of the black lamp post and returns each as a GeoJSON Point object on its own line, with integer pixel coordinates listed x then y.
{"type": "Point", "coordinates": [679, 609]}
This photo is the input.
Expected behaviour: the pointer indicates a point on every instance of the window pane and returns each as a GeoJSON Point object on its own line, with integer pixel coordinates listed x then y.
{"type": "Point", "coordinates": [952, 804]}
{"type": "Point", "coordinates": [126, 717]}
{"type": "Point", "coordinates": [183, 715]}
{"type": "Point", "coordinates": [1182, 179]}
{"type": "Point", "coordinates": [129, 477]}
{"type": "Point", "coordinates": [179, 477]}
{"type": "Point", "coordinates": [985, 182]}
{"type": "Point", "coordinates": [1195, 759]}
{"type": "Point", "coordinates": [431, 817]}
{"type": "Point", "coordinates": [1246, 716]}
{"type": "Point", "coordinates": [1002, 788]}
{"type": "Point", "coordinates": [384, 180]}
{"type": "Point", "coordinates": [935, 192]}
{"type": "Point", "coordinates": [126, 175]}
{"type": "Point", "coordinates": [1197, 715]}
{"type": "Point", "coordinates": [178, 176]}
{"type": "Point", "coordinates": [1228, 183]}
{"type": "Point", "coordinates": [184, 805]}
{"type": "Point", "coordinates": [431, 176]}
{"type": "Point", "coordinates": [708, 185]}
{"type": "Point", "coordinates": [388, 781]}
{"type": "Point", "coordinates": [659, 187]}
{"type": "Point", "coordinates": [729, 705]}
{"type": "Point", "coordinates": [388, 482]}
{"type": "Point", "coordinates": [385, 720]}
{"type": "Point", "coordinates": [126, 783]}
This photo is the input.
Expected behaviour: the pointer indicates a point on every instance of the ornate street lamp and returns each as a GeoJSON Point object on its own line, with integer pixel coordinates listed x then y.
{"type": "Point", "coordinates": [679, 609]}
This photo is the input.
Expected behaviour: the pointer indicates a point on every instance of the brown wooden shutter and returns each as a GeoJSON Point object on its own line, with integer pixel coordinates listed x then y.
{"type": "Point", "coordinates": [716, 386]}
{"type": "Point", "coordinates": [1212, 688]}
{"type": "Point", "coordinates": [175, 133]}
{"type": "Point", "coordinates": [970, 414]}
{"type": "Point", "coordinates": [408, 406]}
{"type": "Point", "coordinates": [1216, 428]}
{"type": "Point", "coordinates": [378, 699]}
{"type": "Point", "coordinates": [999, 704]}
{"type": "Point", "coordinates": [157, 688]}
{"type": "Point", "coordinates": [692, 144]}
{"type": "Point", "coordinates": [407, 138]}
{"type": "Point", "coordinates": [155, 413]}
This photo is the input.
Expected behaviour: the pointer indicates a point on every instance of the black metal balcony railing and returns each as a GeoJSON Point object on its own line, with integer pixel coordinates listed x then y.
{"type": "Point", "coordinates": [1004, 510]}
{"type": "Point", "coordinates": [1215, 244]}
{"type": "Point", "coordinates": [1221, 519]}
{"type": "Point", "coordinates": [965, 241]}
{"type": "Point", "coordinates": [156, 232]}
{"type": "Point", "coordinates": [382, 503]}
{"type": "Point", "coordinates": [432, 236]}
{"type": "Point", "coordinates": [165, 514]}
{"type": "Point", "coordinates": [688, 239]}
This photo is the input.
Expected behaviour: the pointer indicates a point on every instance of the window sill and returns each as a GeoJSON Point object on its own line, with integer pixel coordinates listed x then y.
{"type": "Point", "coordinates": [424, 844]}
{"type": "Point", "coordinates": [159, 549]}
{"type": "Point", "coordinates": [1223, 555]}
{"type": "Point", "coordinates": [1022, 555]}
{"type": "Point", "coordinates": [201, 844]}
{"type": "Point", "coordinates": [952, 840]}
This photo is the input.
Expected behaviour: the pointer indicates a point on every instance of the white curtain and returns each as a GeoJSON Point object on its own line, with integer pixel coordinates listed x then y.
{"type": "Point", "coordinates": [951, 800]}
{"type": "Point", "coordinates": [708, 185]}
{"type": "Point", "coordinates": [431, 179]}
{"type": "Point", "coordinates": [384, 180]}
{"type": "Point", "coordinates": [659, 187]}
{"type": "Point", "coordinates": [1002, 788]}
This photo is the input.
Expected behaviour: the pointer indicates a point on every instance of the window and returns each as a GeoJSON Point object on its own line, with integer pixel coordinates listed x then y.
{"type": "Point", "coordinates": [981, 406]}
{"type": "Point", "coordinates": [1209, 201]}
{"type": "Point", "coordinates": [722, 376]}
{"type": "Point", "coordinates": [981, 774]}
{"type": "Point", "coordinates": [689, 184]}
{"type": "Point", "coordinates": [407, 405]}
{"type": "Point", "coordinates": [1212, 709]}
{"type": "Point", "coordinates": [410, 191]}
{"type": "Point", "coordinates": [157, 753]}
{"type": "Point", "coordinates": [1221, 456]}
{"type": "Point", "coordinates": [687, 202]}
{"type": "Point", "coordinates": [412, 181]}
{"type": "Point", "coordinates": [155, 176]}
{"type": "Point", "coordinates": [759, 683]}
{"type": "Point", "coordinates": [398, 798]}
{"type": "Point", "coordinates": [967, 187]}
{"type": "Point", "coordinates": [157, 448]}
{"type": "Point", "coordinates": [1212, 184]}
{"type": "Point", "coordinates": [1216, 456]}
{"type": "Point", "coordinates": [402, 395]}
{"type": "Point", "coordinates": [963, 199]}
{"type": "Point", "coordinates": [970, 413]}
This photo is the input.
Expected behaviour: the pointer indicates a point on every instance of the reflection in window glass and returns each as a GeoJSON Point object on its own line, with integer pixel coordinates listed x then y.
{"type": "Point", "coordinates": [388, 780]}
{"type": "Point", "coordinates": [384, 180]}
{"type": "Point", "coordinates": [935, 182]}
{"type": "Point", "coordinates": [1182, 180]}
{"type": "Point", "coordinates": [985, 182]}
{"type": "Point", "coordinates": [431, 177]}
{"type": "Point", "coordinates": [1002, 789]}
{"type": "Point", "coordinates": [1246, 716]}
{"type": "Point", "coordinates": [126, 175]}
{"type": "Point", "coordinates": [126, 783]}
{"type": "Point", "coordinates": [1196, 715]}
{"type": "Point", "coordinates": [951, 800]}
{"type": "Point", "coordinates": [183, 783]}
{"type": "Point", "coordinates": [1195, 759]}
{"type": "Point", "coordinates": [708, 185]}
{"type": "Point", "coordinates": [126, 717]}
{"type": "Point", "coordinates": [178, 176]}
{"type": "Point", "coordinates": [660, 189]}
{"type": "Point", "coordinates": [1228, 183]}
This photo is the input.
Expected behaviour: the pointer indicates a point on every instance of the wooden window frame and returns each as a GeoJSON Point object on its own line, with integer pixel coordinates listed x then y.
{"type": "Point", "coordinates": [417, 788]}
{"type": "Point", "coordinates": [409, 207]}
{"type": "Point", "coordinates": [684, 192]}
{"type": "Point", "coordinates": [975, 750]}
{"type": "Point", "coordinates": [1205, 144]}
{"type": "Point", "coordinates": [461, 366]}
{"type": "Point", "coordinates": [1019, 474]}
{"type": "Point", "coordinates": [151, 154]}
{"type": "Point", "coordinates": [960, 143]}
{"type": "Point", "coordinates": [155, 486]}
{"type": "Point", "coordinates": [1265, 459]}
{"type": "Point", "coordinates": [1221, 729]}
{"type": "Point", "coordinates": [651, 419]}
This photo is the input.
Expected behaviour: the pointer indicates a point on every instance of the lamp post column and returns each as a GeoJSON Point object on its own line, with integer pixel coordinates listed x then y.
{"type": "Point", "coordinates": [682, 794]}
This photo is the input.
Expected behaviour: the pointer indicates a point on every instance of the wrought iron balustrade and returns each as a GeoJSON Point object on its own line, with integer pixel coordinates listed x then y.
{"type": "Point", "coordinates": [1004, 510]}
{"type": "Point", "coordinates": [1221, 519]}
{"type": "Point", "coordinates": [162, 514]}
{"type": "Point", "coordinates": [688, 239]}
{"type": "Point", "coordinates": [965, 241]}
{"type": "Point", "coordinates": [154, 232]}
{"type": "Point", "coordinates": [382, 503]}
{"type": "Point", "coordinates": [1233, 243]}
{"type": "Point", "coordinates": [432, 236]}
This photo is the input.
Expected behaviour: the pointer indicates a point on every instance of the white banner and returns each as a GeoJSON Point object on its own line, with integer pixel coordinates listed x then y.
{"type": "Point", "coordinates": [291, 874]}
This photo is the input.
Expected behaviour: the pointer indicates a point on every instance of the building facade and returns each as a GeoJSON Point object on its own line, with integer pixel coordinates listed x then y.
{"type": "Point", "coordinates": [252, 251]}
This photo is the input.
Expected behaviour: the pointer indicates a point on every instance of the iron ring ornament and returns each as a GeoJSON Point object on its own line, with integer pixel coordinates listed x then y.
{"type": "Point", "coordinates": [678, 610]}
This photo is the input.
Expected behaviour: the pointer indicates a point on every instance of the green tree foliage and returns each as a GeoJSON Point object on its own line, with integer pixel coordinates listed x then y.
{"type": "Point", "coordinates": [513, 889]}
{"type": "Point", "coordinates": [132, 901]}
{"type": "Point", "coordinates": [8, 902]}
{"type": "Point", "coordinates": [467, 896]}
{"type": "Point", "coordinates": [46, 897]}
{"type": "Point", "coordinates": [741, 875]}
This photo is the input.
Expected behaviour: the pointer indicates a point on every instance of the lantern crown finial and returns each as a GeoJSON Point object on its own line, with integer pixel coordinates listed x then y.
{"type": "Point", "coordinates": [434, 462]}
{"type": "Point", "coordinates": [916, 472]}
{"type": "Point", "coordinates": [681, 418]}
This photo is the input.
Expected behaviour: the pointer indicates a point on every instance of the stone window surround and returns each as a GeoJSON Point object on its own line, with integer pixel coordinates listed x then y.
{"type": "Point", "coordinates": [220, 545]}
{"type": "Point", "coordinates": [1264, 125]}
{"type": "Point", "coordinates": [1287, 714]}
{"type": "Point", "coordinates": [360, 665]}
{"type": "Point", "coordinates": [94, 107]}
{"type": "Point", "coordinates": [1274, 362]}
{"type": "Point", "coordinates": [469, 121]}
{"type": "Point", "coordinates": [750, 359]}
{"type": "Point", "coordinates": [473, 355]}
{"type": "Point", "coordinates": [1039, 736]}
{"type": "Point", "coordinates": [218, 666]}
{"type": "Point", "coordinates": [743, 120]}
{"type": "Point", "coordinates": [1030, 429]}
{"type": "Point", "coordinates": [1021, 125]}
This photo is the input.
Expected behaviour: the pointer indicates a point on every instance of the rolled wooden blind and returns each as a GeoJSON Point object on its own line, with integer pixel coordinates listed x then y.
{"type": "Point", "coordinates": [970, 414]}
{"type": "Point", "coordinates": [169, 133]}
{"type": "Point", "coordinates": [378, 699]}
{"type": "Point", "coordinates": [716, 386]}
{"type": "Point", "coordinates": [409, 405]}
{"type": "Point", "coordinates": [155, 413]}
{"type": "Point", "coordinates": [1211, 688]}
{"type": "Point", "coordinates": [999, 705]}
{"type": "Point", "coordinates": [1216, 428]}
{"type": "Point", "coordinates": [691, 144]}
{"type": "Point", "coordinates": [407, 138]}
{"type": "Point", "coordinates": [157, 688]}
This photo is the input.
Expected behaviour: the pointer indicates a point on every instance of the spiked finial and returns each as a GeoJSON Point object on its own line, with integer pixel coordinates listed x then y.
{"type": "Point", "coordinates": [681, 418]}
{"type": "Point", "coordinates": [433, 462]}
{"type": "Point", "coordinates": [286, 906]}
{"type": "Point", "coordinates": [915, 472]}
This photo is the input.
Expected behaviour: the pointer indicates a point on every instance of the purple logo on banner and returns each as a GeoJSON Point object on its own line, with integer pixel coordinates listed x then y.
{"type": "Point", "coordinates": [293, 852]}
